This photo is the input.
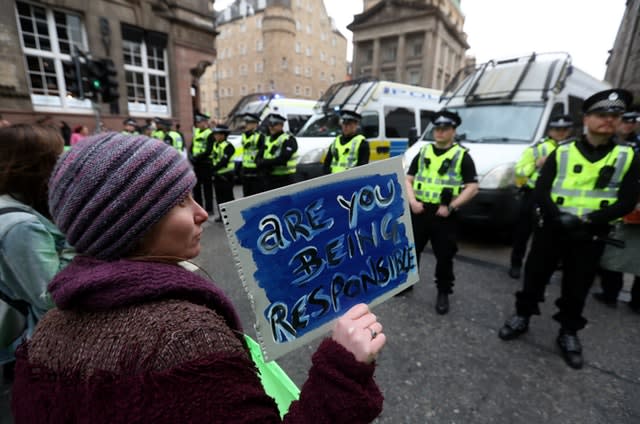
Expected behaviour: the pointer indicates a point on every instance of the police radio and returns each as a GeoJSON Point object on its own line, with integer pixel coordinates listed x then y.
{"type": "Point", "coordinates": [444, 167]}
{"type": "Point", "coordinates": [604, 176]}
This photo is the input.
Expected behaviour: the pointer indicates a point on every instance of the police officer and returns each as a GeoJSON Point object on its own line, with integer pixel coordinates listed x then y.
{"type": "Point", "coordinates": [130, 126]}
{"type": "Point", "coordinates": [583, 187]}
{"type": "Point", "coordinates": [200, 157]}
{"type": "Point", "coordinates": [161, 129]}
{"type": "Point", "coordinates": [348, 149]}
{"type": "Point", "coordinates": [223, 166]}
{"type": "Point", "coordinates": [527, 170]}
{"type": "Point", "coordinates": [612, 281]}
{"type": "Point", "coordinates": [442, 177]}
{"type": "Point", "coordinates": [627, 131]}
{"type": "Point", "coordinates": [280, 154]}
{"type": "Point", "coordinates": [252, 146]}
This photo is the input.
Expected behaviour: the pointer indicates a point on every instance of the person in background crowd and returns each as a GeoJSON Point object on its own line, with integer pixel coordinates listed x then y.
{"type": "Point", "coordinates": [627, 131]}
{"type": "Point", "coordinates": [278, 162]}
{"type": "Point", "coordinates": [200, 157]}
{"type": "Point", "coordinates": [252, 148]}
{"type": "Point", "coordinates": [583, 187]}
{"type": "Point", "coordinates": [32, 249]}
{"type": "Point", "coordinates": [441, 178]}
{"type": "Point", "coordinates": [223, 166]}
{"type": "Point", "coordinates": [527, 171]}
{"type": "Point", "coordinates": [130, 126]}
{"type": "Point", "coordinates": [615, 261]}
{"type": "Point", "coordinates": [4, 122]}
{"type": "Point", "coordinates": [161, 130]}
{"type": "Point", "coordinates": [137, 338]}
{"type": "Point", "coordinates": [349, 149]}
{"type": "Point", "coordinates": [79, 132]}
{"type": "Point", "coordinates": [65, 130]}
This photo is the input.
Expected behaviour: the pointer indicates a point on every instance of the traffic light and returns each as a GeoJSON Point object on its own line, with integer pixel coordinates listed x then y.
{"type": "Point", "coordinates": [109, 81]}
{"type": "Point", "coordinates": [73, 77]}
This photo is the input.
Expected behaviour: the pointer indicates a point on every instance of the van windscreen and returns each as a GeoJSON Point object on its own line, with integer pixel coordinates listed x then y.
{"type": "Point", "coordinates": [496, 123]}
{"type": "Point", "coordinates": [327, 125]}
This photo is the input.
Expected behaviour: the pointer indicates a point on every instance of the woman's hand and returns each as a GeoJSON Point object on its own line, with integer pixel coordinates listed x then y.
{"type": "Point", "coordinates": [360, 333]}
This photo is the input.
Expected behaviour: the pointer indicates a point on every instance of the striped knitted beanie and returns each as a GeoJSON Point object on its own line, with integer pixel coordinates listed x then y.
{"type": "Point", "coordinates": [109, 189]}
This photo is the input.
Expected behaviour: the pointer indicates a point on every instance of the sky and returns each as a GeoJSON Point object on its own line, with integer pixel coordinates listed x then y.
{"type": "Point", "coordinates": [498, 29]}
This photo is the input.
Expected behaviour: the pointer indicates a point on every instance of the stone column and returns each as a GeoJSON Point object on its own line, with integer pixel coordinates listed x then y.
{"type": "Point", "coordinates": [428, 59]}
{"type": "Point", "coordinates": [401, 59]}
{"type": "Point", "coordinates": [375, 64]}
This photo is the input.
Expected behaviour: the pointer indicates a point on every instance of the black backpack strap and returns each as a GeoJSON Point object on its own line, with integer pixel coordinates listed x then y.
{"type": "Point", "coordinates": [20, 305]}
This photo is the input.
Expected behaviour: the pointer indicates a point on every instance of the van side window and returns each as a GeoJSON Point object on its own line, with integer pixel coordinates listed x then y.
{"type": "Point", "coordinates": [425, 119]}
{"type": "Point", "coordinates": [296, 122]}
{"type": "Point", "coordinates": [398, 121]}
{"type": "Point", "coordinates": [369, 125]}
{"type": "Point", "coordinates": [575, 112]}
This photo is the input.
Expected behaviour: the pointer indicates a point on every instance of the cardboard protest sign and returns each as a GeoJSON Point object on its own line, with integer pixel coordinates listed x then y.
{"type": "Point", "coordinates": [308, 252]}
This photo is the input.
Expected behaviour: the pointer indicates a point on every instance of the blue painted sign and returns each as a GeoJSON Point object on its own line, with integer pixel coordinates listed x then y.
{"type": "Point", "coordinates": [318, 250]}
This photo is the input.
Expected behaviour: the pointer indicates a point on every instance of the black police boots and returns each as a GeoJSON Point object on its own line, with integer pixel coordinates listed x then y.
{"type": "Point", "coordinates": [514, 327]}
{"type": "Point", "coordinates": [442, 303]}
{"type": "Point", "coordinates": [569, 344]}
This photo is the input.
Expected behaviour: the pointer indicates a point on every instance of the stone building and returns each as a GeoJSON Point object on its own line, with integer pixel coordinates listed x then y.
{"type": "Point", "coordinates": [624, 58]}
{"type": "Point", "coordinates": [418, 42]}
{"type": "Point", "coordinates": [159, 50]}
{"type": "Point", "coordinates": [291, 47]}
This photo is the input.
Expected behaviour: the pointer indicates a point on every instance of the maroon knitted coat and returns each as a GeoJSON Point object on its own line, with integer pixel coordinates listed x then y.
{"type": "Point", "coordinates": [142, 342]}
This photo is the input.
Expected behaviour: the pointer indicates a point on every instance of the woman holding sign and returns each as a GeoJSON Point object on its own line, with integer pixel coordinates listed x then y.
{"type": "Point", "coordinates": [137, 338]}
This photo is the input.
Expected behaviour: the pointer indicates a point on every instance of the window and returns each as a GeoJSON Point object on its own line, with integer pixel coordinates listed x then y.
{"type": "Point", "coordinates": [243, 49]}
{"type": "Point", "coordinates": [259, 67]}
{"type": "Point", "coordinates": [332, 60]}
{"type": "Point", "coordinates": [425, 118]}
{"type": "Point", "coordinates": [146, 70]}
{"type": "Point", "coordinates": [307, 71]}
{"type": "Point", "coordinates": [321, 76]}
{"type": "Point", "coordinates": [398, 121]}
{"type": "Point", "coordinates": [48, 37]}
{"type": "Point", "coordinates": [414, 77]}
{"type": "Point", "coordinates": [296, 122]}
{"type": "Point", "coordinates": [298, 70]}
{"type": "Point", "coordinates": [369, 124]}
{"type": "Point", "coordinates": [298, 47]}
{"type": "Point", "coordinates": [389, 53]}
{"type": "Point", "coordinates": [258, 45]}
{"type": "Point", "coordinates": [307, 91]}
{"type": "Point", "coordinates": [259, 22]}
{"type": "Point", "coordinates": [243, 90]}
{"type": "Point", "coordinates": [297, 90]}
{"type": "Point", "coordinates": [322, 56]}
{"type": "Point", "coordinates": [308, 51]}
{"type": "Point", "coordinates": [243, 69]}
{"type": "Point", "coordinates": [309, 29]}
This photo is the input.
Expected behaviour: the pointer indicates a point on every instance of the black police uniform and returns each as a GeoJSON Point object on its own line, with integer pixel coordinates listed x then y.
{"type": "Point", "coordinates": [288, 149]}
{"type": "Point", "coordinates": [252, 179]}
{"type": "Point", "coordinates": [363, 149]}
{"type": "Point", "coordinates": [223, 182]}
{"type": "Point", "coordinates": [201, 162]}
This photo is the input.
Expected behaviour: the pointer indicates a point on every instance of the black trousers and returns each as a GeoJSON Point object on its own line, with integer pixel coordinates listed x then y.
{"type": "Point", "coordinates": [252, 184]}
{"type": "Point", "coordinates": [223, 185]}
{"type": "Point", "coordinates": [612, 282]}
{"type": "Point", "coordinates": [203, 187]}
{"type": "Point", "coordinates": [443, 234]}
{"type": "Point", "coordinates": [277, 181]}
{"type": "Point", "coordinates": [580, 260]}
{"type": "Point", "coordinates": [524, 227]}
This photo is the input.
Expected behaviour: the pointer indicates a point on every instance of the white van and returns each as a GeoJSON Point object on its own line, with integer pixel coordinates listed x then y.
{"type": "Point", "coordinates": [297, 112]}
{"type": "Point", "coordinates": [505, 106]}
{"type": "Point", "coordinates": [389, 112]}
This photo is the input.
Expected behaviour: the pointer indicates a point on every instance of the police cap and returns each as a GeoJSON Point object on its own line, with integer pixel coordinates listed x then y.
{"type": "Point", "coordinates": [220, 129]}
{"type": "Point", "coordinates": [615, 100]}
{"type": "Point", "coordinates": [130, 121]}
{"type": "Point", "coordinates": [350, 115]}
{"type": "Point", "coordinates": [163, 122]}
{"type": "Point", "coordinates": [250, 117]}
{"type": "Point", "coordinates": [275, 119]}
{"type": "Point", "coordinates": [560, 121]}
{"type": "Point", "coordinates": [632, 116]}
{"type": "Point", "coordinates": [446, 118]}
{"type": "Point", "coordinates": [200, 117]}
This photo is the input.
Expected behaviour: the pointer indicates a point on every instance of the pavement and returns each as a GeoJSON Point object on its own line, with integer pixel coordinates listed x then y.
{"type": "Point", "coordinates": [454, 368]}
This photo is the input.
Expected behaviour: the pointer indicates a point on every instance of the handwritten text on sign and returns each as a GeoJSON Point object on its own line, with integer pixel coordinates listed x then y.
{"type": "Point", "coordinates": [320, 251]}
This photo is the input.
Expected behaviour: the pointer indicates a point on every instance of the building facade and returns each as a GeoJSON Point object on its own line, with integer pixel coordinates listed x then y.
{"type": "Point", "coordinates": [159, 49]}
{"type": "Point", "coordinates": [624, 58]}
{"type": "Point", "coordinates": [418, 42]}
{"type": "Point", "coordinates": [291, 47]}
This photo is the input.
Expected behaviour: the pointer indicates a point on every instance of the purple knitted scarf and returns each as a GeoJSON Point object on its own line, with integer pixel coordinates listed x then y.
{"type": "Point", "coordinates": [90, 284]}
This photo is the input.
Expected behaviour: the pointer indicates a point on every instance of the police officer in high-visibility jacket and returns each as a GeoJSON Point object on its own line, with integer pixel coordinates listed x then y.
{"type": "Point", "coordinates": [252, 146]}
{"type": "Point", "coordinates": [584, 186]}
{"type": "Point", "coordinates": [441, 178]}
{"type": "Point", "coordinates": [278, 162]}
{"type": "Point", "coordinates": [130, 126]}
{"type": "Point", "coordinates": [200, 157]}
{"type": "Point", "coordinates": [223, 166]}
{"type": "Point", "coordinates": [527, 170]}
{"type": "Point", "coordinates": [348, 149]}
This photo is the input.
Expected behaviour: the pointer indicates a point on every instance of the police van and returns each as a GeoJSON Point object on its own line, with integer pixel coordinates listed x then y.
{"type": "Point", "coordinates": [389, 113]}
{"type": "Point", "coordinates": [505, 107]}
{"type": "Point", "coordinates": [297, 112]}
